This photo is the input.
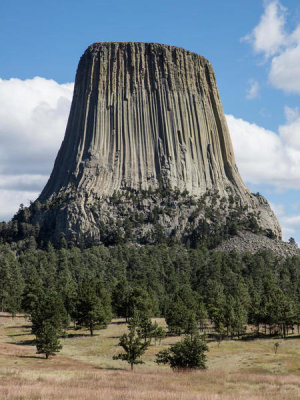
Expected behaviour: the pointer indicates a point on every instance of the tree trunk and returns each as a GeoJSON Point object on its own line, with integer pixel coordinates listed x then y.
{"type": "Point", "coordinates": [131, 366]}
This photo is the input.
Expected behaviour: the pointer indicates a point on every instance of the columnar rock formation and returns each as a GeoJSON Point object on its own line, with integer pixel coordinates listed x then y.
{"type": "Point", "coordinates": [143, 116]}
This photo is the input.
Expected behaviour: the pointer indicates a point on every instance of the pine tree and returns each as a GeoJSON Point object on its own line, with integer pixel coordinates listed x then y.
{"type": "Point", "coordinates": [47, 341]}
{"type": "Point", "coordinates": [68, 289]}
{"type": "Point", "coordinates": [201, 314]}
{"type": "Point", "coordinates": [120, 299]}
{"type": "Point", "coordinates": [177, 317]}
{"type": "Point", "coordinates": [49, 319]}
{"type": "Point", "coordinates": [32, 291]}
{"type": "Point", "coordinates": [11, 282]}
{"type": "Point", "coordinates": [159, 333]}
{"type": "Point", "coordinates": [94, 305]}
{"type": "Point", "coordinates": [189, 353]}
{"type": "Point", "coordinates": [132, 344]}
{"type": "Point", "coordinates": [140, 300]}
{"type": "Point", "coordinates": [191, 328]}
{"type": "Point", "coordinates": [146, 328]}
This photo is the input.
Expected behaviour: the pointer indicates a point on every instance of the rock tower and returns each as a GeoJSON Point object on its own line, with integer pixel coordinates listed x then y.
{"type": "Point", "coordinates": [145, 118]}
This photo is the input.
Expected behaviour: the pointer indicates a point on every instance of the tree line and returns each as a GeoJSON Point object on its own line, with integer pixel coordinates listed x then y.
{"type": "Point", "coordinates": [191, 288]}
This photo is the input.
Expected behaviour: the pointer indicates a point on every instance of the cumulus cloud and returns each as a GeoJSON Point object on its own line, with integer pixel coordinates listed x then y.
{"type": "Point", "coordinates": [271, 38]}
{"type": "Point", "coordinates": [290, 131]}
{"type": "Point", "coordinates": [265, 157]}
{"type": "Point", "coordinates": [285, 71]}
{"type": "Point", "coordinates": [290, 224]}
{"type": "Point", "coordinates": [253, 90]}
{"type": "Point", "coordinates": [33, 116]}
{"type": "Point", "coordinates": [269, 35]}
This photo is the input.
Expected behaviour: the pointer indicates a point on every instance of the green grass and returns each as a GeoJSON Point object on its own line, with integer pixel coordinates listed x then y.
{"type": "Point", "coordinates": [84, 369]}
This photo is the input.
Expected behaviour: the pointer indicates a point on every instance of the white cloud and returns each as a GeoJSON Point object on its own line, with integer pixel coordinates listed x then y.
{"type": "Point", "coordinates": [271, 38]}
{"type": "Point", "coordinates": [253, 90]}
{"type": "Point", "coordinates": [33, 116]}
{"type": "Point", "coordinates": [285, 72]}
{"type": "Point", "coordinates": [290, 224]}
{"type": "Point", "coordinates": [291, 114]}
{"type": "Point", "coordinates": [11, 199]}
{"type": "Point", "coordinates": [264, 157]}
{"type": "Point", "coordinates": [290, 132]}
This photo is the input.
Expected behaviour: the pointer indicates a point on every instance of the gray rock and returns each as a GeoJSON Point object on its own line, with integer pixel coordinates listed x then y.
{"type": "Point", "coordinates": [143, 116]}
{"type": "Point", "coordinates": [252, 243]}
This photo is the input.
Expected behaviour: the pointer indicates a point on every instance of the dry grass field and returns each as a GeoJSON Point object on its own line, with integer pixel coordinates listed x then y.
{"type": "Point", "coordinates": [84, 369]}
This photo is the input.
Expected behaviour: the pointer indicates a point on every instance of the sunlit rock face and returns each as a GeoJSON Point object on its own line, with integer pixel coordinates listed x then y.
{"type": "Point", "coordinates": [144, 116]}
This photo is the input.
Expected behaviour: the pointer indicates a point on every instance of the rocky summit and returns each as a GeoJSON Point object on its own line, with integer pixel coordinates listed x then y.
{"type": "Point", "coordinates": [147, 154]}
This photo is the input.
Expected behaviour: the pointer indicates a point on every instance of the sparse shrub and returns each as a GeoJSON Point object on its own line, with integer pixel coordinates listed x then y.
{"type": "Point", "coordinates": [189, 353]}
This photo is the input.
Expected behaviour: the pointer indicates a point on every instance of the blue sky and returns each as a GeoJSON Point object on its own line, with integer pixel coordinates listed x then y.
{"type": "Point", "coordinates": [253, 45]}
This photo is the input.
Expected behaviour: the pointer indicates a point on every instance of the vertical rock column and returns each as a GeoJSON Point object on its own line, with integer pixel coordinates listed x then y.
{"type": "Point", "coordinates": [143, 113]}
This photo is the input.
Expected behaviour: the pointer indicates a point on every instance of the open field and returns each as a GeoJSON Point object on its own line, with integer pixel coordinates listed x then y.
{"type": "Point", "coordinates": [84, 369]}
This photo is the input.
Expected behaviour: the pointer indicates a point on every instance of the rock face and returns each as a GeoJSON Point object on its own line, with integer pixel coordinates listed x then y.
{"type": "Point", "coordinates": [144, 116]}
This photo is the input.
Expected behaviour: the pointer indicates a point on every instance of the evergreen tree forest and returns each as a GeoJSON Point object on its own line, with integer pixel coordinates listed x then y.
{"type": "Point", "coordinates": [192, 288]}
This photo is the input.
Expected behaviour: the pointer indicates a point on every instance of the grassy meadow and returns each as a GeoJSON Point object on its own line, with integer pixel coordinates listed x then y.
{"type": "Point", "coordinates": [84, 369]}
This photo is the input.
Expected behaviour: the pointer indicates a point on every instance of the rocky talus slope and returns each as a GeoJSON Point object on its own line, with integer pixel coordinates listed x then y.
{"type": "Point", "coordinates": [146, 118]}
{"type": "Point", "coordinates": [248, 242]}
